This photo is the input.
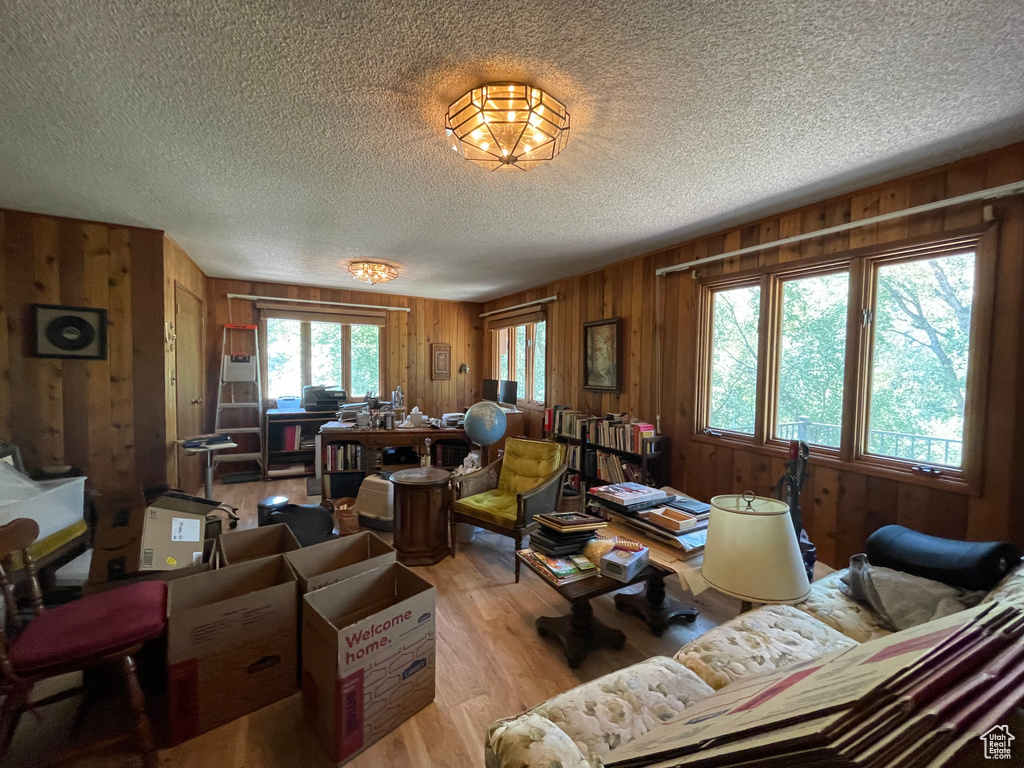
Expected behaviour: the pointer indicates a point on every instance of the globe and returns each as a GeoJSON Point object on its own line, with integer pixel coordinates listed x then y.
{"type": "Point", "coordinates": [485, 423]}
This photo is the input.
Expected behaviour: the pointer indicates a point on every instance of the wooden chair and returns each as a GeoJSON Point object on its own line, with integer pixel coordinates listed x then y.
{"type": "Point", "coordinates": [102, 630]}
{"type": "Point", "coordinates": [504, 496]}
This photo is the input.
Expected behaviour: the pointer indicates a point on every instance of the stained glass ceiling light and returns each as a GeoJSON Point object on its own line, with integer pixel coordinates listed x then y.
{"type": "Point", "coordinates": [507, 125]}
{"type": "Point", "coordinates": [372, 272]}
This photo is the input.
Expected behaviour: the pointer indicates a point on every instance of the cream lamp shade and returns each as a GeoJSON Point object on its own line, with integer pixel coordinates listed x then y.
{"type": "Point", "coordinates": [752, 552]}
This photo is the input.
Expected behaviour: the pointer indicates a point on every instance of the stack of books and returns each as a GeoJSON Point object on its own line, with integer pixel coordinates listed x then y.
{"type": "Point", "coordinates": [566, 422]}
{"type": "Point", "coordinates": [564, 533]}
{"type": "Point", "coordinates": [344, 457]}
{"type": "Point", "coordinates": [629, 497]}
{"type": "Point", "coordinates": [559, 570]}
{"type": "Point", "coordinates": [938, 694]}
{"type": "Point", "coordinates": [615, 431]}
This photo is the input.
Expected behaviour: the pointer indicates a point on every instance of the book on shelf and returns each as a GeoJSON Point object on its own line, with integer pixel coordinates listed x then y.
{"type": "Point", "coordinates": [344, 457]}
{"type": "Point", "coordinates": [628, 494]}
{"type": "Point", "coordinates": [616, 431]}
{"type": "Point", "coordinates": [449, 454]}
{"type": "Point", "coordinates": [539, 566]}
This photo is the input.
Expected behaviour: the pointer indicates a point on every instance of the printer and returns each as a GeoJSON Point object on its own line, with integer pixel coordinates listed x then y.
{"type": "Point", "coordinates": [321, 398]}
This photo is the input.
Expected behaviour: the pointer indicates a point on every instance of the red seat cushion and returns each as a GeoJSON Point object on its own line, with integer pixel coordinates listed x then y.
{"type": "Point", "coordinates": [94, 626]}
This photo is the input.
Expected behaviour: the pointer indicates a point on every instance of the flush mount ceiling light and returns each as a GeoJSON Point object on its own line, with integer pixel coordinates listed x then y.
{"type": "Point", "coordinates": [372, 272]}
{"type": "Point", "coordinates": [507, 125]}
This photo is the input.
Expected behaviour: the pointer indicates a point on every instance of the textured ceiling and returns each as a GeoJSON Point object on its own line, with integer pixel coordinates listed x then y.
{"type": "Point", "coordinates": [278, 140]}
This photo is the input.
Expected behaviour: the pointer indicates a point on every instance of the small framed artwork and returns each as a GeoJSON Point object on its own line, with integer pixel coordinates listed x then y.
{"type": "Point", "coordinates": [441, 361]}
{"type": "Point", "coordinates": [79, 332]}
{"type": "Point", "coordinates": [601, 358]}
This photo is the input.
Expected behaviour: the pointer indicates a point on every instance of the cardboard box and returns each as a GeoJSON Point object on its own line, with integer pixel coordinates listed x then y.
{"type": "Point", "coordinates": [332, 561]}
{"type": "Point", "coordinates": [91, 588]}
{"type": "Point", "coordinates": [622, 565]}
{"type": "Point", "coordinates": [368, 657]}
{"type": "Point", "coordinates": [231, 644]}
{"type": "Point", "coordinates": [131, 537]}
{"type": "Point", "coordinates": [255, 543]}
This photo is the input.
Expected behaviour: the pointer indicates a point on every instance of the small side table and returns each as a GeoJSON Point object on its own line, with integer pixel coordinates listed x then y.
{"type": "Point", "coordinates": [209, 450]}
{"type": "Point", "coordinates": [422, 499]}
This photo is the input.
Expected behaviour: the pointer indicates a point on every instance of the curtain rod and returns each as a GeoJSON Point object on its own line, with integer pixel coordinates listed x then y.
{"type": "Point", "coordinates": [1005, 190]}
{"type": "Point", "coordinates": [502, 311]}
{"type": "Point", "coordinates": [314, 301]}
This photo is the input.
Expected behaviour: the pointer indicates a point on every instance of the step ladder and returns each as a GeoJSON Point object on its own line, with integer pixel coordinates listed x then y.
{"type": "Point", "coordinates": [240, 389]}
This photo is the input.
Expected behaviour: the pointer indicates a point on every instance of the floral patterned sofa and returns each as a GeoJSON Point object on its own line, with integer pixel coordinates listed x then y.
{"type": "Point", "coordinates": [582, 726]}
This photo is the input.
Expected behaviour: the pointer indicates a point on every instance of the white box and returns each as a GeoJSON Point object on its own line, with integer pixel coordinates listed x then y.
{"type": "Point", "coordinates": [622, 565]}
{"type": "Point", "coordinates": [53, 504]}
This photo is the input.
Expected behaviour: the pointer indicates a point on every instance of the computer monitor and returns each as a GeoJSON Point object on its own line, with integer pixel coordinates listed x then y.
{"type": "Point", "coordinates": [507, 392]}
{"type": "Point", "coordinates": [490, 390]}
{"type": "Point", "coordinates": [500, 391]}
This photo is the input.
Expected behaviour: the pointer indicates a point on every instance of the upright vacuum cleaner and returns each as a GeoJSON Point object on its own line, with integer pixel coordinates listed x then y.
{"type": "Point", "coordinates": [788, 489]}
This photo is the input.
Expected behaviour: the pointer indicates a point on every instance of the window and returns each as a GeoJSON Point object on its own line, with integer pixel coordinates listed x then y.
{"type": "Point", "coordinates": [300, 352]}
{"type": "Point", "coordinates": [284, 368]}
{"type": "Point", "coordinates": [875, 357]}
{"type": "Point", "coordinates": [922, 333]}
{"type": "Point", "coordinates": [734, 358]}
{"type": "Point", "coordinates": [812, 359]}
{"type": "Point", "coordinates": [520, 355]}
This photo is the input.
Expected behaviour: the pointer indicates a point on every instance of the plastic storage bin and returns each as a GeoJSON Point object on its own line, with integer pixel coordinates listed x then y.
{"type": "Point", "coordinates": [54, 504]}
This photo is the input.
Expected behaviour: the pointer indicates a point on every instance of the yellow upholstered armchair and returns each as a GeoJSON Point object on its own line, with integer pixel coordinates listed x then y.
{"type": "Point", "coordinates": [504, 496]}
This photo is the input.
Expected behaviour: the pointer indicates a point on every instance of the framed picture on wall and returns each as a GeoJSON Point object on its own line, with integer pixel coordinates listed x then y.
{"type": "Point", "coordinates": [602, 369]}
{"type": "Point", "coordinates": [441, 361]}
{"type": "Point", "coordinates": [79, 332]}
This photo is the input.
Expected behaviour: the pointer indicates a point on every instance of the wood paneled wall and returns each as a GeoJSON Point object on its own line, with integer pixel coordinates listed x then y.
{"type": "Point", "coordinates": [93, 414]}
{"type": "Point", "coordinates": [179, 269]}
{"type": "Point", "coordinates": [842, 507]}
{"type": "Point", "coordinates": [406, 339]}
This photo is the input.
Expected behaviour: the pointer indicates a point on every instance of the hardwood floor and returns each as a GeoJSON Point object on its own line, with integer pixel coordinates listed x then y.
{"type": "Point", "coordinates": [490, 664]}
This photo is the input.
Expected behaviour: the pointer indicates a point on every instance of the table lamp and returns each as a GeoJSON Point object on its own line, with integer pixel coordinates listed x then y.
{"type": "Point", "coordinates": [752, 552]}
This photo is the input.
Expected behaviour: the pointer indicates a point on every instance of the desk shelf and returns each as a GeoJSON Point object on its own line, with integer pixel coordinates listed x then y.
{"type": "Point", "coordinates": [277, 427]}
{"type": "Point", "coordinates": [373, 443]}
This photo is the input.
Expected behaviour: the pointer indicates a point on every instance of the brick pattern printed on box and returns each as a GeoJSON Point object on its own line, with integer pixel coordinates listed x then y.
{"type": "Point", "coordinates": [397, 680]}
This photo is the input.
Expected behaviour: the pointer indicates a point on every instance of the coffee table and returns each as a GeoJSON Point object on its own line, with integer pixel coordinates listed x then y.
{"type": "Point", "coordinates": [580, 632]}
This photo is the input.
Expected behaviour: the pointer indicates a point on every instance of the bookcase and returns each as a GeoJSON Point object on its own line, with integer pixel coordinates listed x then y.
{"type": "Point", "coordinates": [348, 455]}
{"type": "Point", "coordinates": [603, 451]}
{"type": "Point", "coordinates": [290, 441]}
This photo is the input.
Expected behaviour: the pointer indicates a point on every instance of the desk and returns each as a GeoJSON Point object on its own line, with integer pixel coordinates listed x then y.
{"type": "Point", "coordinates": [209, 450]}
{"type": "Point", "coordinates": [373, 442]}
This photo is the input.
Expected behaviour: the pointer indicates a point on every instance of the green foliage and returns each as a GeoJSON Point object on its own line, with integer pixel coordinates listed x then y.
{"type": "Point", "coordinates": [540, 351]}
{"type": "Point", "coordinates": [734, 359]}
{"type": "Point", "coordinates": [365, 360]}
{"type": "Point", "coordinates": [283, 366]}
{"type": "Point", "coordinates": [284, 357]}
{"type": "Point", "coordinates": [919, 376]}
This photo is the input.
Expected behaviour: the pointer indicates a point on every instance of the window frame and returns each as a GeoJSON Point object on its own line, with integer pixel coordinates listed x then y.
{"type": "Point", "coordinates": [305, 355]}
{"type": "Point", "coordinates": [509, 331]}
{"type": "Point", "coordinates": [862, 264]}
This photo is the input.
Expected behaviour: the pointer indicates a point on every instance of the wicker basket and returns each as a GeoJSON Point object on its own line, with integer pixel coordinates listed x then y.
{"type": "Point", "coordinates": [572, 501]}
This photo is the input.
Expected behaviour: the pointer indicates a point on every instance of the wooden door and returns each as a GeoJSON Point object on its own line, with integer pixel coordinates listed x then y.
{"type": "Point", "coordinates": [191, 383]}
